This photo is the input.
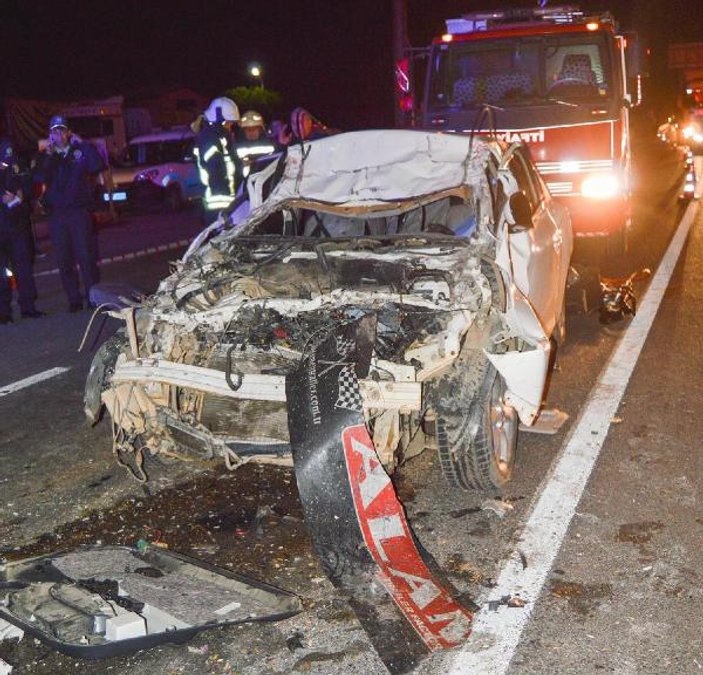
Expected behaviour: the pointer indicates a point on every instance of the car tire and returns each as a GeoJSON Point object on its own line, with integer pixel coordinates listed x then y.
{"type": "Point", "coordinates": [173, 199]}
{"type": "Point", "coordinates": [476, 431]}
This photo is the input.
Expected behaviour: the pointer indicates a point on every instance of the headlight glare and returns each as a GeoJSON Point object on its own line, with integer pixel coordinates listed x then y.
{"type": "Point", "coordinates": [690, 131]}
{"type": "Point", "coordinates": [601, 186]}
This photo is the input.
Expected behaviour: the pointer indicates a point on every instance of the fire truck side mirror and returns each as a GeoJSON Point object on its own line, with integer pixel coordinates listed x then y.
{"type": "Point", "coordinates": [522, 213]}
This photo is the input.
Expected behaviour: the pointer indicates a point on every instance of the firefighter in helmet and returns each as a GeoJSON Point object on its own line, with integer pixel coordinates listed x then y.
{"type": "Point", "coordinates": [218, 164]}
{"type": "Point", "coordinates": [254, 139]}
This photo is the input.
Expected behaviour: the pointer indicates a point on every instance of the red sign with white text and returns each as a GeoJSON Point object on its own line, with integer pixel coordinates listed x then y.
{"type": "Point", "coordinates": [439, 620]}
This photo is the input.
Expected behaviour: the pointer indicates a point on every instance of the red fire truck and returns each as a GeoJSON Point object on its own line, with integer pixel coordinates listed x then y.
{"type": "Point", "coordinates": [556, 79]}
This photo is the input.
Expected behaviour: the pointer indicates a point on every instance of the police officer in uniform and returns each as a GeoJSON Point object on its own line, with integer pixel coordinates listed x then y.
{"type": "Point", "coordinates": [16, 245]}
{"type": "Point", "coordinates": [68, 168]}
{"type": "Point", "coordinates": [218, 164]}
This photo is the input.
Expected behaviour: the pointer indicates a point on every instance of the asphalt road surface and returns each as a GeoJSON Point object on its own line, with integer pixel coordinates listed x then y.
{"type": "Point", "coordinates": [607, 567]}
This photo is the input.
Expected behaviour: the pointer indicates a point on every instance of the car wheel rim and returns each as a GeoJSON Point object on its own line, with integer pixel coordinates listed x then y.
{"type": "Point", "coordinates": [503, 420]}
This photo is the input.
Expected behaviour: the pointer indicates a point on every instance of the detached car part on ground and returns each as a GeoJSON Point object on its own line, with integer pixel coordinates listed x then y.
{"type": "Point", "coordinates": [395, 290]}
{"type": "Point", "coordinates": [105, 601]}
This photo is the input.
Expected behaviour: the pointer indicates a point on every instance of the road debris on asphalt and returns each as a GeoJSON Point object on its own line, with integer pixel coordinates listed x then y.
{"type": "Point", "coordinates": [295, 641]}
{"type": "Point", "coordinates": [513, 601]}
{"type": "Point", "coordinates": [498, 506]}
{"type": "Point", "coordinates": [9, 631]}
{"type": "Point", "coordinates": [202, 650]}
{"type": "Point", "coordinates": [618, 296]}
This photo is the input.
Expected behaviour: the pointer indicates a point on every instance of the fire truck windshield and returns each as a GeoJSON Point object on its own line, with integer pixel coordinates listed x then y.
{"type": "Point", "coordinates": [517, 71]}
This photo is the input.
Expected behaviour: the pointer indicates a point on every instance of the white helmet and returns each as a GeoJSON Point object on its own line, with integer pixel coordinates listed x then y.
{"type": "Point", "coordinates": [251, 118]}
{"type": "Point", "coordinates": [222, 109]}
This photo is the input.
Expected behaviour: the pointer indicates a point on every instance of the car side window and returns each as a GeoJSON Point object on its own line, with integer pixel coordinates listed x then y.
{"type": "Point", "coordinates": [537, 181]}
{"type": "Point", "coordinates": [519, 167]}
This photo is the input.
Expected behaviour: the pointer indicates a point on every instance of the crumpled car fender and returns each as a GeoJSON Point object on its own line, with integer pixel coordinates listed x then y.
{"type": "Point", "coordinates": [524, 371]}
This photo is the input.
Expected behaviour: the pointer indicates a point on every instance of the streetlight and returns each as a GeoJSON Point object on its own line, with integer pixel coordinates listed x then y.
{"type": "Point", "coordinates": [255, 71]}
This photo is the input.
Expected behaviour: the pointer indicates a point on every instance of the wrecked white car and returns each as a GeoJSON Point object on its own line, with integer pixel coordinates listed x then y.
{"type": "Point", "coordinates": [430, 267]}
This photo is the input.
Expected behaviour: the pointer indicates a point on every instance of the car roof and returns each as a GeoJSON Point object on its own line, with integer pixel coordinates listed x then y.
{"type": "Point", "coordinates": [173, 134]}
{"type": "Point", "coordinates": [372, 169]}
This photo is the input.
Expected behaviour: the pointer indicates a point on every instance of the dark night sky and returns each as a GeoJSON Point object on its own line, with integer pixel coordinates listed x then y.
{"type": "Point", "coordinates": [332, 56]}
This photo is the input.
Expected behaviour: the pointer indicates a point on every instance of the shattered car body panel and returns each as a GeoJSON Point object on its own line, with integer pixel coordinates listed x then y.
{"type": "Point", "coordinates": [105, 601]}
{"type": "Point", "coordinates": [413, 227]}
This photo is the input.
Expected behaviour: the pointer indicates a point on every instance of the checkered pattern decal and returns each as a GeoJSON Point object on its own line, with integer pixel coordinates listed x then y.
{"type": "Point", "coordinates": [349, 395]}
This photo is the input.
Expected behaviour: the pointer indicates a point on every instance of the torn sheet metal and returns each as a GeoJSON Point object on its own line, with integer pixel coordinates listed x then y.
{"type": "Point", "coordinates": [549, 422]}
{"type": "Point", "coordinates": [356, 522]}
{"type": "Point", "coordinates": [103, 602]}
{"type": "Point", "coordinates": [374, 167]}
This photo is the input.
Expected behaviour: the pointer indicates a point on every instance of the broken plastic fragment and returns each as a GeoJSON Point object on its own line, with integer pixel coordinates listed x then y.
{"type": "Point", "coordinates": [549, 421]}
{"type": "Point", "coordinates": [8, 631]}
{"type": "Point", "coordinates": [199, 650]}
{"type": "Point", "coordinates": [497, 506]}
{"type": "Point", "coordinates": [508, 601]}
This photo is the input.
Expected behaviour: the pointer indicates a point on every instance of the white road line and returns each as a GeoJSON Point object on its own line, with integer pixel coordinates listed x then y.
{"type": "Point", "coordinates": [496, 635]}
{"type": "Point", "coordinates": [32, 379]}
{"type": "Point", "coordinates": [128, 256]}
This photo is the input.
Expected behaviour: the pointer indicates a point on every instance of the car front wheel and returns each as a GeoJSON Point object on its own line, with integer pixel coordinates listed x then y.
{"type": "Point", "coordinates": [476, 430]}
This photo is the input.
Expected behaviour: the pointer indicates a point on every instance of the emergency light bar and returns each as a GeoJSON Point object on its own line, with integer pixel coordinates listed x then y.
{"type": "Point", "coordinates": [484, 20]}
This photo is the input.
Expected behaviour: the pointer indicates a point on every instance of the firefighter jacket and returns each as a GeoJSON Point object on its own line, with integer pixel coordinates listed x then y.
{"type": "Point", "coordinates": [69, 177]}
{"type": "Point", "coordinates": [249, 152]}
{"type": "Point", "coordinates": [218, 166]}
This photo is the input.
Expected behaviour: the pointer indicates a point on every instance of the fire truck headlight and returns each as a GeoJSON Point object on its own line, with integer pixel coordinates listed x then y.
{"type": "Point", "coordinates": [601, 185]}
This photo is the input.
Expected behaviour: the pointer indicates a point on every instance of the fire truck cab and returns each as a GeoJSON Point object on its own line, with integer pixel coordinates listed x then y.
{"type": "Point", "coordinates": [555, 79]}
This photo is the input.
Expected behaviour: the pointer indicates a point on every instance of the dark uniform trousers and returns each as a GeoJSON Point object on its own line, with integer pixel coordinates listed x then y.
{"type": "Point", "coordinates": [16, 252]}
{"type": "Point", "coordinates": [71, 232]}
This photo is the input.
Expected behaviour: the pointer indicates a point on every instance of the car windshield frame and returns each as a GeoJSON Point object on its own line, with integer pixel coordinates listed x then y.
{"type": "Point", "coordinates": [513, 72]}
{"type": "Point", "coordinates": [451, 213]}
